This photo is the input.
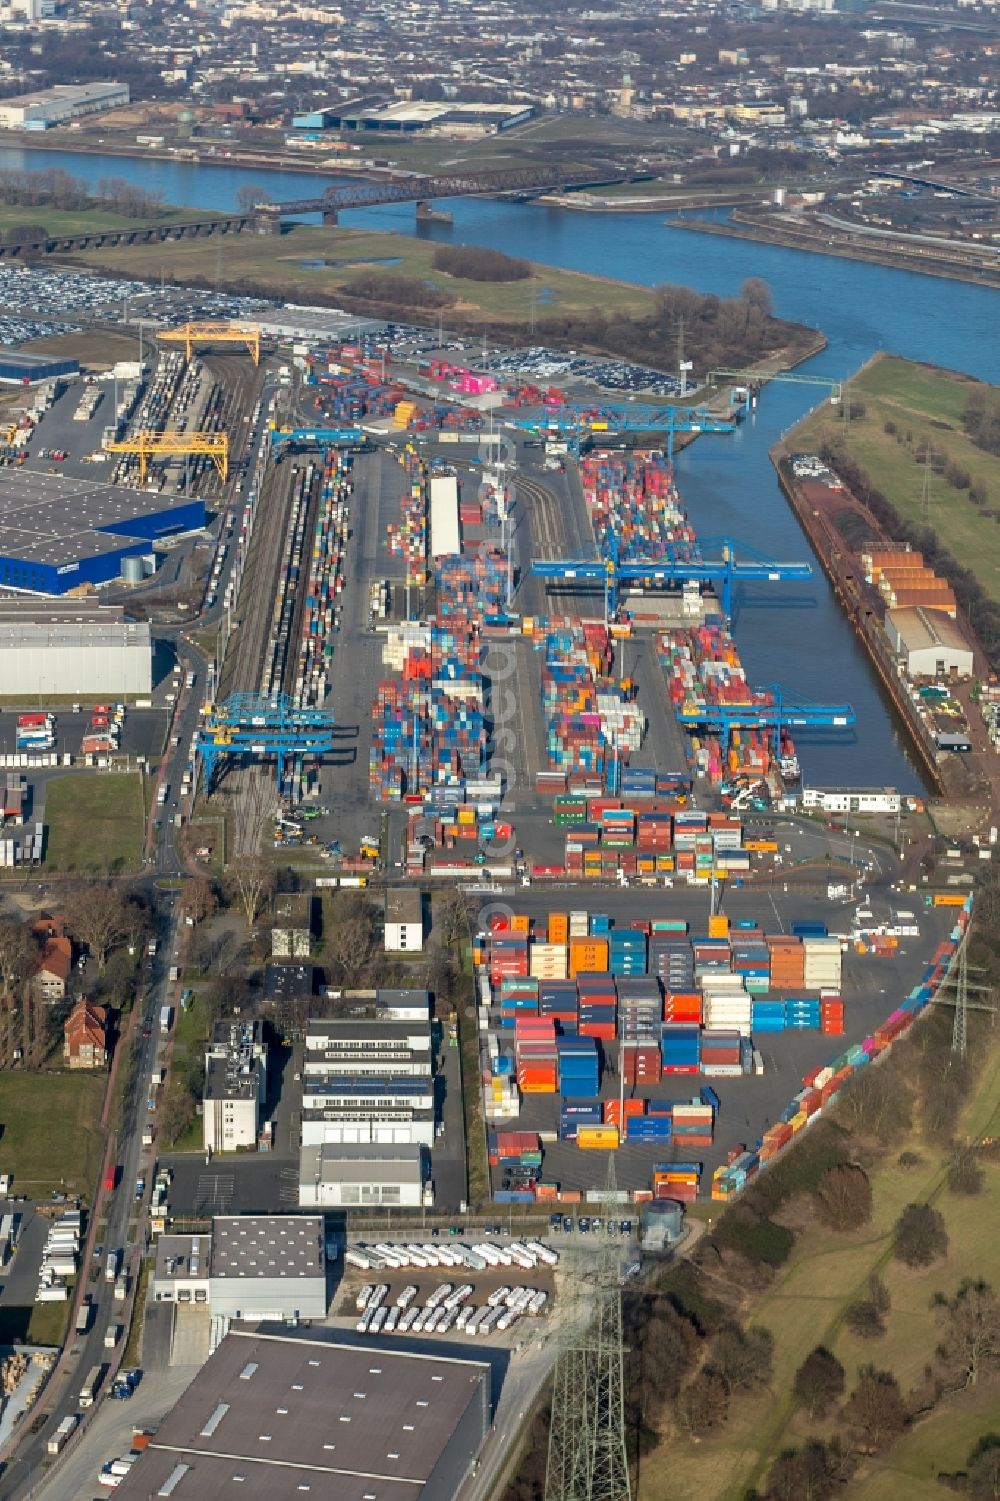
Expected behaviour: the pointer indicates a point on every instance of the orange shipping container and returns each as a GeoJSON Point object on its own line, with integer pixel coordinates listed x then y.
{"type": "Point", "coordinates": [521, 923]}
{"type": "Point", "coordinates": [558, 927]}
{"type": "Point", "coordinates": [587, 954]}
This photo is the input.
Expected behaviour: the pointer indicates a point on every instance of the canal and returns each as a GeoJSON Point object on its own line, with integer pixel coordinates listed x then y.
{"type": "Point", "coordinates": [795, 635]}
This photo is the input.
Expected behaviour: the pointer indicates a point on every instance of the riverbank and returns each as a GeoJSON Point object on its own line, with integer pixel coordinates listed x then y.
{"type": "Point", "coordinates": [841, 523]}
{"type": "Point", "coordinates": [824, 241]}
{"type": "Point", "coordinates": [380, 275]}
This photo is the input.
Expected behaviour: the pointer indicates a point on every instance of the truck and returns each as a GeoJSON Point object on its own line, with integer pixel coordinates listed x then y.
{"type": "Point", "coordinates": [174, 973]}
{"type": "Point", "coordinates": [162, 793]}
{"type": "Point", "coordinates": [89, 1387]}
{"type": "Point", "coordinates": [167, 1012]}
{"type": "Point", "coordinates": [112, 1335]}
{"type": "Point", "coordinates": [111, 1179]}
{"type": "Point", "coordinates": [62, 1433]}
{"type": "Point", "coordinates": [111, 1266]}
{"type": "Point", "coordinates": [83, 1317]}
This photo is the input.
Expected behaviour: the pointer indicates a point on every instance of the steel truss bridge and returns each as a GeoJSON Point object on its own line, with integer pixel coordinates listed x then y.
{"type": "Point", "coordinates": [526, 181]}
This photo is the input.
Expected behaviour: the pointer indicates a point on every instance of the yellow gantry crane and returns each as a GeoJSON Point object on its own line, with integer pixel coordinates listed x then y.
{"type": "Point", "coordinates": [190, 334]}
{"type": "Point", "coordinates": [170, 444]}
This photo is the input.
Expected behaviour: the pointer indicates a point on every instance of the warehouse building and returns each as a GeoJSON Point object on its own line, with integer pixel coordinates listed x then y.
{"type": "Point", "coordinates": [367, 1177]}
{"type": "Point", "coordinates": [367, 1045]}
{"type": "Point", "coordinates": [183, 1263]}
{"type": "Point", "coordinates": [404, 920]}
{"type": "Point", "coordinates": [406, 117]}
{"type": "Point", "coordinates": [291, 936]}
{"type": "Point", "coordinates": [268, 1266]}
{"type": "Point", "coordinates": [270, 1417]}
{"type": "Point", "coordinates": [72, 647]}
{"type": "Point", "coordinates": [367, 1111]}
{"type": "Point", "coordinates": [930, 643]}
{"type": "Point", "coordinates": [18, 368]}
{"type": "Point", "coordinates": [58, 534]}
{"type": "Point", "coordinates": [62, 102]}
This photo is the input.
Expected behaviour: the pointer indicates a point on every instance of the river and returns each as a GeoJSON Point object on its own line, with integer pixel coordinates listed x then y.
{"type": "Point", "coordinates": [795, 635]}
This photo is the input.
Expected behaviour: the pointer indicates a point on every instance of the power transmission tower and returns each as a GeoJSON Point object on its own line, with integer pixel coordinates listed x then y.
{"type": "Point", "coordinates": [961, 1001]}
{"type": "Point", "coordinates": [587, 1459]}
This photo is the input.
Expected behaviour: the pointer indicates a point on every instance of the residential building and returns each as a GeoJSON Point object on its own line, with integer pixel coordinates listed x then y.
{"type": "Point", "coordinates": [85, 1043]}
{"type": "Point", "coordinates": [53, 970]}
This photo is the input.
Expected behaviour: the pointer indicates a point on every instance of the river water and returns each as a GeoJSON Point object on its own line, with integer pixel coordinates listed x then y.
{"type": "Point", "coordinates": [792, 634]}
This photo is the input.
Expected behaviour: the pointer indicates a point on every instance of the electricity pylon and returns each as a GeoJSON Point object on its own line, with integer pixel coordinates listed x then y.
{"type": "Point", "coordinates": [961, 1001]}
{"type": "Point", "coordinates": [587, 1459]}
{"type": "Point", "coordinates": [956, 989]}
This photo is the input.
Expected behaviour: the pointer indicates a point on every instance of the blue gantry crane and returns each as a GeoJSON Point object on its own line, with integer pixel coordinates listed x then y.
{"type": "Point", "coordinates": [735, 563]}
{"type": "Point", "coordinates": [773, 712]}
{"type": "Point", "coordinates": [608, 421]}
{"type": "Point", "coordinates": [315, 437]}
{"type": "Point", "coordinates": [249, 726]}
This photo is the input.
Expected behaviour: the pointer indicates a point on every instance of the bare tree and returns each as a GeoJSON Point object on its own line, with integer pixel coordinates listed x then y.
{"type": "Point", "coordinates": [100, 918]}
{"type": "Point", "coordinates": [17, 955]}
{"type": "Point", "coordinates": [198, 899]}
{"type": "Point", "coordinates": [844, 1197]}
{"type": "Point", "coordinates": [250, 883]}
{"type": "Point", "coordinates": [971, 1321]}
{"type": "Point", "coordinates": [919, 1235]}
{"type": "Point", "coordinates": [248, 196]}
{"type": "Point", "coordinates": [876, 1409]}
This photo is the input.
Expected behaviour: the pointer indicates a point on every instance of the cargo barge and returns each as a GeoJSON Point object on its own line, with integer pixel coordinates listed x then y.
{"type": "Point", "coordinates": [841, 568]}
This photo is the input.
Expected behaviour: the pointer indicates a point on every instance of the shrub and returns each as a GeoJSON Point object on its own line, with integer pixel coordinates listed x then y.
{"type": "Point", "coordinates": [919, 1236]}
{"type": "Point", "coordinates": [757, 1238]}
{"type": "Point", "coordinates": [864, 1319]}
{"type": "Point", "coordinates": [743, 1357]}
{"type": "Point", "coordinates": [704, 1403]}
{"type": "Point", "coordinates": [472, 263]}
{"type": "Point", "coordinates": [909, 1160]}
{"type": "Point", "coordinates": [844, 1197]}
{"type": "Point", "coordinates": [819, 1381]}
{"type": "Point", "coordinates": [965, 1176]}
{"type": "Point", "coordinates": [876, 1409]}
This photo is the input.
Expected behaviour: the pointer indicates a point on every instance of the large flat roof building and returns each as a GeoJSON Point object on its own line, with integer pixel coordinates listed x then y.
{"type": "Point", "coordinates": [63, 101]}
{"type": "Point", "coordinates": [57, 532]}
{"type": "Point", "coordinates": [274, 1417]}
{"type": "Point", "coordinates": [72, 647]}
{"type": "Point", "coordinates": [365, 1177]}
{"type": "Point", "coordinates": [268, 1266]}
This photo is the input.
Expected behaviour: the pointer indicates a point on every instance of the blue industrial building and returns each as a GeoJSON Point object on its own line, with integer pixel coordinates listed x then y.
{"type": "Point", "coordinates": [57, 533]}
{"type": "Point", "coordinates": [20, 369]}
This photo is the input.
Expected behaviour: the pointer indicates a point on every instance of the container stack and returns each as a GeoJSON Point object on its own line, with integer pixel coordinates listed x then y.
{"type": "Point", "coordinates": [821, 963]}
{"type": "Point", "coordinates": [693, 1125]}
{"type": "Point", "coordinates": [831, 1015]}
{"type": "Point", "coordinates": [787, 963]}
{"type": "Point", "coordinates": [587, 955]}
{"type": "Point", "coordinates": [767, 1015]}
{"type": "Point", "coordinates": [680, 1049]}
{"type": "Point", "coordinates": [627, 952]}
{"type": "Point", "coordinates": [537, 1059]}
{"type": "Point", "coordinates": [579, 1068]}
{"type": "Point", "coordinates": [721, 1053]}
{"type": "Point", "coordinates": [802, 1013]}
{"type": "Point", "coordinates": [508, 957]}
{"type": "Point", "coordinates": [654, 1128]}
{"type": "Point", "coordinates": [726, 1003]}
{"type": "Point", "coordinates": [576, 1113]}
{"type": "Point", "coordinates": [515, 1149]}
{"type": "Point", "coordinates": [677, 1180]}
{"type": "Point", "coordinates": [639, 1063]}
{"type": "Point", "coordinates": [558, 1001]}
{"type": "Point", "coordinates": [518, 999]}
{"type": "Point", "coordinates": [598, 1016]}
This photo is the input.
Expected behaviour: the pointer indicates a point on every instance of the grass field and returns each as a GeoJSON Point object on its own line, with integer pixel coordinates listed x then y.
{"type": "Point", "coordinates": [805, 1306]}
{"type": "Point", "coordinates": [95, 823]}
{"type": "Point", "coordinates": [277, 264]}
{"type": "Point", "coordinates": [58, 221]}
{"type": "Point", "coordinates": [926, 404]}
{"type": "Point", "coordinates": [51, 1131]}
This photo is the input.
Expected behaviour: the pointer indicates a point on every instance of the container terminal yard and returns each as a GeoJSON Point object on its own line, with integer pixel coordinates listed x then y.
{"type": "Point", "coordinates": [435, 631]}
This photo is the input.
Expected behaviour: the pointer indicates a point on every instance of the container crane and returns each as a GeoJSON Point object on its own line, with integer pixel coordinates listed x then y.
{"type": "Point", "coordinates": [736, 563]}
{"type": "Point", "coordinates": [770, 711]}
{"type": "Point", "coordinates": [190, 334]}
{"type": "Point", "coordinates": [249, 726]}
{"type": "Point", "coordinates": [607, 421]}
{"type": "Point", "coordinates": [315, 437]}
{"type": "Point", "coordinates": [149, 445]}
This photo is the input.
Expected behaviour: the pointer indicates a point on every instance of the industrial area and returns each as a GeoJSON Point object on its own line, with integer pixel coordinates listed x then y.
{"type": "Point", "coordinates": [442, 641]}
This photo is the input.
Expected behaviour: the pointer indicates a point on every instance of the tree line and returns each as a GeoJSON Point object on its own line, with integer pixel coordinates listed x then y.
{"type": "Point", "coordinates": [57, 189]}
{"type": "Point", "coordinates": [475, 263]}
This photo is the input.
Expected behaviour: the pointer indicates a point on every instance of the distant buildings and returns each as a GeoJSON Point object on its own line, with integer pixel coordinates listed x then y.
{"type": "Point", "coordinates": [60, 104]}
{"type": "Point", "coordinates": [85, 1036]}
